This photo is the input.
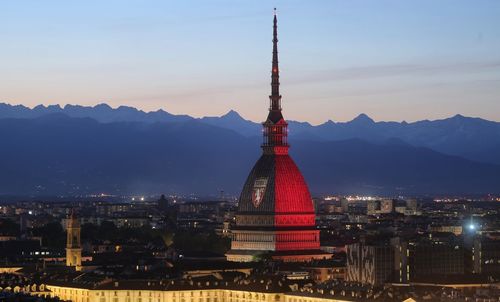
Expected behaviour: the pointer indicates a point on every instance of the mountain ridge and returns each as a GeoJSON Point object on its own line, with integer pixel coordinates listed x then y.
{"type": "Point", "coordinates": [469, 137]}
{"type": "Point", "coordinates": [44, 109]}
{"type": "Point", "coordinates": [62, 155]}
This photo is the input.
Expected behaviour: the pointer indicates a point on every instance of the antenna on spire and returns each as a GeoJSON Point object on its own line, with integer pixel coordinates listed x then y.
{"type": "Point", "coordinates": [274, 12]}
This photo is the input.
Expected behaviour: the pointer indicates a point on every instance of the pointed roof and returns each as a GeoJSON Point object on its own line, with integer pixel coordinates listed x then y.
{"type": "Point", "coordinates": [275, 72]}
{"type": "Point", "coordinates": [73, 221]}
{"type": "Point", "coordinates": [275, 107]}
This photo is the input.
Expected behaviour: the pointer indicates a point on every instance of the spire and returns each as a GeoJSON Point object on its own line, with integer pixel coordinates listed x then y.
{"type": "Point", "coordinates": [275, 73]}
{"type": "Point", "coordinates": [275, 127]}
{"type": "Point", "coordinates": [73, 221]}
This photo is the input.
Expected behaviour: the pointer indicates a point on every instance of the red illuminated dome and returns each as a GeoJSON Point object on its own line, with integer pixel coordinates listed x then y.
{"type": "Point", "coordinates": [275, 211]}
{"type": "Point", "coordinates": [275, 186]}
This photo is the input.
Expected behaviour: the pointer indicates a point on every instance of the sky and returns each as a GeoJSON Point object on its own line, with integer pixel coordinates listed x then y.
{"type": "Point", "coordinates": [393, 60]}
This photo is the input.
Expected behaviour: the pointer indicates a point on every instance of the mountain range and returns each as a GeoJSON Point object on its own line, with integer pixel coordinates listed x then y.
{"type": "Point", "coordinates": [80, 150]}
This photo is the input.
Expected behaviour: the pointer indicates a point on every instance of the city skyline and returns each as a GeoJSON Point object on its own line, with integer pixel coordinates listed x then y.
{"type": "Point", "coordinates": [390, 60]}
{"type": "Point", "coordinates": [119, 205]}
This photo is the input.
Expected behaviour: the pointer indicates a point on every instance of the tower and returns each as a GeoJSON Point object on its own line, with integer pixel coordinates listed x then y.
{"type": "Point", "coordinates": [73, 246]}
{"type": "Point", "coordinates": [275, 215]}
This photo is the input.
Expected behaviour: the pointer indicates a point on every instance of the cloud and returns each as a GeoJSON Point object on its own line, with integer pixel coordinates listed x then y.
{"type": "Point", "coordinates": [394, 70]}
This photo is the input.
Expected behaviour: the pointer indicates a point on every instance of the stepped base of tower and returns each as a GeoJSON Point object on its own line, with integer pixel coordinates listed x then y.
{"type": "Point", "coordinates": [291, 245]}
{"type": "Point", "coordinates": [285, 256]}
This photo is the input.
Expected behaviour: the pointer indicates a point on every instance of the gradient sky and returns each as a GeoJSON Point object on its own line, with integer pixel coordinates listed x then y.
{"type": "Point", "coordinates": [393, 60]}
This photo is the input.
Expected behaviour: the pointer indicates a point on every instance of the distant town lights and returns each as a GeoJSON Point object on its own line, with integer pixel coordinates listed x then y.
{"type": "Point", "coordinates": [361, 198]}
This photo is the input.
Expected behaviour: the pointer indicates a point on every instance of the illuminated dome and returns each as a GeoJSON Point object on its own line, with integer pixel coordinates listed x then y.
{"type": "Point", "coordinates": [276, 186]}
{"type": "Point", "coordinates": [275, 211]}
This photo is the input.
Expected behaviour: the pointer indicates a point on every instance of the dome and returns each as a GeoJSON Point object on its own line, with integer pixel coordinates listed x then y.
{"type": "Point", "coordinates": [276, 187]}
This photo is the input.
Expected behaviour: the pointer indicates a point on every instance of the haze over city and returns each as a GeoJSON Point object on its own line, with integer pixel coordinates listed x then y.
{"type": "Point", "coordinates": [393, 60]}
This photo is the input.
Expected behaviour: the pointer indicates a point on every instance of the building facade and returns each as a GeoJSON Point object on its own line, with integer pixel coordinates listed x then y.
{"type": "Point", "coordinates": [120, 294]}
{"type": "Point", "coordinates": [419, 259]}
{"type": "Point", "coordinates": [486, 255]}
{"type": "Point", "coordinates": [73, 245]}
{"type": "Point", "coordinates": [370, 263]}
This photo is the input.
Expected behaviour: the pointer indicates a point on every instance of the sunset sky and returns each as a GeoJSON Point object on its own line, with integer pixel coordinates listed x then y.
{"type": "Point", "coordinates": [393, 60]}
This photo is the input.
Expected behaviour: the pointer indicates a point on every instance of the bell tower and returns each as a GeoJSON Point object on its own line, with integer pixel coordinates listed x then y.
{"type": "Point", "coordinates": [73, 246]}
